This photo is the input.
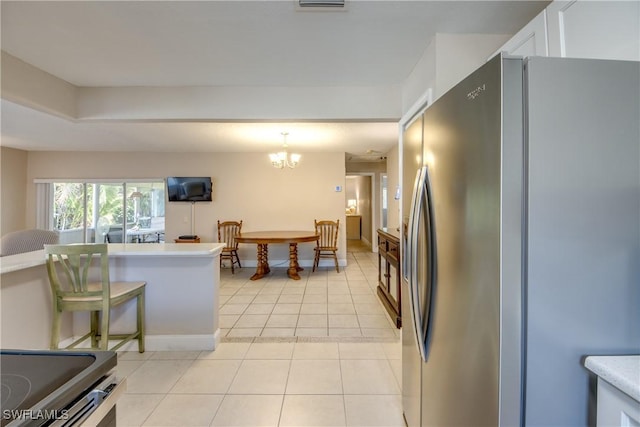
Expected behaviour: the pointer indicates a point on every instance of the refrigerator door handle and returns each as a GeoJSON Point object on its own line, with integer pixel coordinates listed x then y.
{"type": "Point", "coordinates": [408, 259]}
{"type": "Point", "coordinates": [422, 301]}
{"type": "Point", "coordinates": [416, 215]}
{"type": "Point", "coordinates": [431, 260]}
{"type": "Point", "coordinates": [410, 265]}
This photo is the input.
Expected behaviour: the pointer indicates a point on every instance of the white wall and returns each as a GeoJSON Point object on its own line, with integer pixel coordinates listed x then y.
{"type": "Point", "coordinates": [246, 187]}
{"type": "Point", "coordinates": [446, 61]}
{"type": "Point", "coordinates": [421, 79]}
{"type": "Point", "coordinates": [230, 103]}
{"type": "Point", "coordinates": [458, 55]}
{"type": "Point", "coordinates": [13, 179]}
{"type": "Point", "coordinates": [27, 85]}
{"type": "Point", "coordinates": [393, 181]}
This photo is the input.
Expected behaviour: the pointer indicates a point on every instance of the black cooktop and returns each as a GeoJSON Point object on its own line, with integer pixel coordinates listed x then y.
{"type": "Point", "coordinates": [47, 380]}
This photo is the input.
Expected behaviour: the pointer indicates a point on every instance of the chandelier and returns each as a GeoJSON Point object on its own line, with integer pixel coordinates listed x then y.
{"type": "Point", "coordinates": [282, 159]}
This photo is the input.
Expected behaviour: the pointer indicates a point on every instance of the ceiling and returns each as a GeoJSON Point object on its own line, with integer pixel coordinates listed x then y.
{"type": "Point", "coordinates": [262, 43]}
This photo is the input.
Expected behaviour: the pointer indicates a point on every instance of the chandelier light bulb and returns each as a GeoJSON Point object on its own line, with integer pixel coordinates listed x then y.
{"type": "Point", "coordinates": [282, 159]}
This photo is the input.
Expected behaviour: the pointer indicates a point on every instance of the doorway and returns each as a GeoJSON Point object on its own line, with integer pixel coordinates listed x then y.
{"type": "Point", "coordinates": [359, 201]}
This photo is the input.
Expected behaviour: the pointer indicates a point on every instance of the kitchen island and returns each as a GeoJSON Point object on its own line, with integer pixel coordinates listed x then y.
{"type": "Point", "coordinates": [181, 297]}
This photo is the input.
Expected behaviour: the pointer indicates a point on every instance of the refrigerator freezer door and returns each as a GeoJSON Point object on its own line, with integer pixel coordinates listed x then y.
{"type": "Point", "coordinates": [583, 249]}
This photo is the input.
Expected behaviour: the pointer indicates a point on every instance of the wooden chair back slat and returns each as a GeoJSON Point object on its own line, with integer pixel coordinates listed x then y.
{"type": "Point", "coordinates": [227, 232]}
{"type": "Point", "coordinates": [75, 262]}
{"type": "Point", "coordinates": [327, 245]}
{"type": "Point", "coordinates": [328, 232]}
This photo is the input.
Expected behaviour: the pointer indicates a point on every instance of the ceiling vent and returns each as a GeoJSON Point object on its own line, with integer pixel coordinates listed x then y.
{"type": "Point", "coordinates": [321, 3]}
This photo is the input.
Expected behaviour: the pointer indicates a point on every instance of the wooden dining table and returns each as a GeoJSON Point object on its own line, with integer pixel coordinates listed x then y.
{"type": "Point", "coordinates": [264, 238]}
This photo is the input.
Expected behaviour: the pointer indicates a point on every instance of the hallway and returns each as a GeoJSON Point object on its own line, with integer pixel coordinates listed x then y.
{"type": "Point", "coordinates": [354, 245]}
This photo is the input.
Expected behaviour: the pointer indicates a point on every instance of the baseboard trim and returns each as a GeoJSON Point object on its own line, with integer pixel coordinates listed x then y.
{"type": "Point", "coordinates": [284, 263]}
{"type": "Point", "coordinates": [169, 342]}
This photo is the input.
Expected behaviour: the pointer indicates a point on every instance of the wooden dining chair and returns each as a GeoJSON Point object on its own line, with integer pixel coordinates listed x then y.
{"type": "Point", "coordinates": [327, 244]}
{"type": "Point", "coordinates": [227, 232]}
{"type": "Point", "coordinates": [79, 279]}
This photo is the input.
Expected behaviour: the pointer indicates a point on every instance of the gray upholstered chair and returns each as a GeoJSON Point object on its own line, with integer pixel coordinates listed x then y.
{"type": "Point", "coordinates": [69, 268]}
{"type": "Point", "coordinates": [114, 235]}
{"type": "Point", "coordinates": [21, 241]}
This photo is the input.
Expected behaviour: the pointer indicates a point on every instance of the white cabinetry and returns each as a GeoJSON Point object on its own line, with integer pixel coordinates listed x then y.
{"type": "Point", "coordinates": [618, 389]}
{"type": "Point", "coordinates": [594, 29]}
{"type": "Point", "coordinates": [530, 40]}
{"type": "Point", "coordinates": [599, 29]}
{"type": "Point", "coordinates": [616, 408]}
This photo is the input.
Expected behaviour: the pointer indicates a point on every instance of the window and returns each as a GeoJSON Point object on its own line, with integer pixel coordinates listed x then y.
{"type": "Point", "coordinates": [112, 212]}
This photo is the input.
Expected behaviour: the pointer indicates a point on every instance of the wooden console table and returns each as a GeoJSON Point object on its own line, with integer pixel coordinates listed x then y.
{"type": "Point", "coordinates": [389, 273]}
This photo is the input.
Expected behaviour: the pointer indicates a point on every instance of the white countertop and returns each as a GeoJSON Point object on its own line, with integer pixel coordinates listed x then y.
{"type": "Point", "coordinates": [164, 249]}
{"type": "Point", "coordinates": [31, 259]}
{"type": "Point", "coordinates": [21, 261]}
{"type": "Point", "coordinates": [622, 372]}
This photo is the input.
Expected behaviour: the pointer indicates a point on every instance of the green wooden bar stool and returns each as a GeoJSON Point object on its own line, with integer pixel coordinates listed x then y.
{"type": "Point", "coordinates": [71, 275]}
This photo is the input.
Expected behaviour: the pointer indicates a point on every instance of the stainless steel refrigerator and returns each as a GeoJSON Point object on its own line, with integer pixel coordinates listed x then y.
{"type": "Point", "coordinates": [521, 242]}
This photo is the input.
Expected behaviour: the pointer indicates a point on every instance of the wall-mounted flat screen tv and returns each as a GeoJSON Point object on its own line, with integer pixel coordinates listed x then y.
{"type": "Point", "coordinates": [189, 189]}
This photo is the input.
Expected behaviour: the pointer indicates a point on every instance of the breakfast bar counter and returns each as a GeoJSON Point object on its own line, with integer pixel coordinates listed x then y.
{"type": "Point", "coordinates": [181, 297]}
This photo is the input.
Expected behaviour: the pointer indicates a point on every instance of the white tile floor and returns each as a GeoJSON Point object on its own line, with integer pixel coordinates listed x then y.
{"type": "Point", "coordinates": [323, 303]}
{"type": "Point", "coordinates": [316, 352]}
{"type": "Point", "coordinates": [264, 384]}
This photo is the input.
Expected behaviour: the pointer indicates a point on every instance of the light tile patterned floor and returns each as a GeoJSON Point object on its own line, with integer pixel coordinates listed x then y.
{"type": "Point", "coordinates": [323, 303]}
{"type": "Point", "coordinates": [316, 352]}
{"type": "Point", "coordinates": [264, 384]}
